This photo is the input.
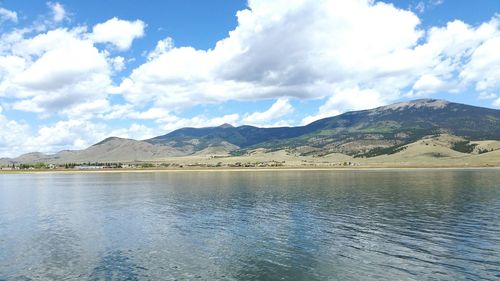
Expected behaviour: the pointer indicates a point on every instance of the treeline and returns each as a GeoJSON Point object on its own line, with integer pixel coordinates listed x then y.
{"type": "Point", "coordinates": [37, 166]}
{"type": "Point", "coordinates": [89, 165]}
{"type": "Point", "coordinates": [41, 166]}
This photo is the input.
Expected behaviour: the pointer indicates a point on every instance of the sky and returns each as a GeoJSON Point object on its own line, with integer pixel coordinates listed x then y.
{"type": "Point", "coordinates": [75, 72]}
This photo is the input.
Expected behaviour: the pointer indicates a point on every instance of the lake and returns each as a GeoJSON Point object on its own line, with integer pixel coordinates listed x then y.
{"type": "Point", "coordinates": [252, 225]}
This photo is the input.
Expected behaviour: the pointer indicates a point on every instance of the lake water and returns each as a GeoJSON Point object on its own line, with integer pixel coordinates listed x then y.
{"type": "Point", "coordinates": [263, 225]}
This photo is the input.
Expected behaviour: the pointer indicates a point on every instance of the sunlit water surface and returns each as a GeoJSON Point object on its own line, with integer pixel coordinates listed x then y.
{"type": "Point", "coordinates": [300, 225]}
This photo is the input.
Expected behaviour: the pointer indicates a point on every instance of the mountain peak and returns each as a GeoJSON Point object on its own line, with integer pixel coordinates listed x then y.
{"type": "Point", "coordinates": [428, 103]}
{"type": "Point", "coordinates": [110, 139]}
{"type": "Point", "coordinates": [226, 125]}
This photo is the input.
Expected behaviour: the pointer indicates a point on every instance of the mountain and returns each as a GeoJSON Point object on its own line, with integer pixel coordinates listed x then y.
{"type": "Point", "coordinates": [384, 130]}
{"type": "Point", "coordinates": [109, 150]}
{"type": "Point", "coordinates": [242, 137]}
{"type": "Point", "coordinates": [360, 133]}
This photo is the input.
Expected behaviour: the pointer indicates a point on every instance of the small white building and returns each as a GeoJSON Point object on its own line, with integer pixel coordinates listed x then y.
{"type": "Point", "coordinates": [88, 167]}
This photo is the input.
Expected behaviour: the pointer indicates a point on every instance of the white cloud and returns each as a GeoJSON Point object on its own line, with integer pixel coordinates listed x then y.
{"type": "Point", "coordinates": [7, 15]}
{"type": "Point", "coordinates": [436, 2]}
{"type": "Point", "coordinates": [483, 68]}
{"type": "Point", "coordinates": [58, 11]}
{"type": "Point", "coordinates": [281, 48]}
{"type": "Point", "coordinates": [120, 33]}
{"type": "Point", "coordinates": [353, 54]}
{"type": "Point", "coordinates": [12, 135]}
{"type": "Point", "coordinates": [118, 63]}
{"type": "Point", "coordinates": [444, 54]}
{"type": "Point", "coordinates": [429, 83]}
{"type": "Point", "coordinates": [153, 114]}
{"type": "Point", "coordinates": [17, 138]}
{"type": "Point", "coordinates": [345, 100]}
{"type": "Point", "coordinates": [70, 134]}
{"type": "Point", "coordinates": [487, 96]}
{"type": "Point", "coordinates": [59, 71]}
{"type": "Point", "coordinates": [72, 60]}
{"type": "Point", "coordinates": [170, 123]}
{"type": "Point", "coordinates": [87, 109]}
{"type": "Point", "coordinates": [77, 134]}
{"type": "Point", "coordinates": [309, 48]}
{"type": "Point", "coordinates": [117, 111]}
{"type": "Point", "coordinates": [280, 108]}
{"type": "Point", "coordinates": [166, 120]}
{"type": "Point", "coordinates": [420, 7]}
{"type": "Point", "coordinates": [136, 131]}
{"type": "Point", "coordinates": [496, 103]}
{"type": "Point", "coordinates": [163, 46]}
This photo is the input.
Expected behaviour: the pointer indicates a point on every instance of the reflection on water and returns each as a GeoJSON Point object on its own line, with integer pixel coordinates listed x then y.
{"type": "Point", "coordinates": [116, 266]}
{"type": "Point", "coordinates": [310, 225]}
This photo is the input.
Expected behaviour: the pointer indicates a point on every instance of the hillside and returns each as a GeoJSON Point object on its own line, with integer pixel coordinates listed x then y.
{"type": "Point", "coordinates": [359, 133]}
{"type": "Point", "coordinates": [109, 150]}
{"type": "Point", "coordinates": [417, 130]}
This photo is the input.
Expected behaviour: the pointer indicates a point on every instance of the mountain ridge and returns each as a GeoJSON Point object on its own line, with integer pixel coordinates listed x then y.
{"type": "Point", "coordinates": [364, 133]}
{"type": "Point", "coordinates": [400, 123]}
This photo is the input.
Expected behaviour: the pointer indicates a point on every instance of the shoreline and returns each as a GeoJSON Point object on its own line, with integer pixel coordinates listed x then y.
{"type": "Point", "coordinates": [250, 169]}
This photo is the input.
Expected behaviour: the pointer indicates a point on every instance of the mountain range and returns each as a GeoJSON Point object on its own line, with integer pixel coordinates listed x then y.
{"type": "Point", "coordinates": [360, 134]}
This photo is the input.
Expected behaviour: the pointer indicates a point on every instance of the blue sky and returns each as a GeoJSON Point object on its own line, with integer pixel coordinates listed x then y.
{"type": "Point", "coordinates": [75, 72]}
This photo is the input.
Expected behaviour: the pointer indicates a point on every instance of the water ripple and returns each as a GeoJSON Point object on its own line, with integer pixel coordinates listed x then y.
{"type": "Point", "coordinates": [396, 225]}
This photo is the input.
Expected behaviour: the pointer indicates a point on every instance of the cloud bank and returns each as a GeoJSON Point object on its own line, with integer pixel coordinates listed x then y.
{"type": "Point", "coordinates": [320, 49]}
{"type": "Point", "coordinates": [349, 54]}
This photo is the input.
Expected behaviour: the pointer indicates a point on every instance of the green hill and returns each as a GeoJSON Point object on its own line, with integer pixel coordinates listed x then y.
{"type": "Point", "coordinates": [368, 133]}
{"type": "Point", "coordinates": [386, 130]}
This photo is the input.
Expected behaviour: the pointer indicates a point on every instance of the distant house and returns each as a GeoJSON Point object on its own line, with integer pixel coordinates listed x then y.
{"type": "Point", "coordinates": [88, 167]}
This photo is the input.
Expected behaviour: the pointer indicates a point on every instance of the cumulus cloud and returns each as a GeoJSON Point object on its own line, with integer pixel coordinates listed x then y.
{"type": "Point", "coordinates": [300, 49]}
{"type": "Point", "coordinates": [69, 134]}
{"type": "Point", "coordinates": [167, 121]}
{"type": "Point", "coordinates": [60, 71]}
{"type": "Point", "coordinates": [135, 131]}
{"type": "Point", "coordinates": [280, 108]}
{"type": "Point", "coordinates": [496, 103]}
{"type": "Point", "coordinates": [428, 83]}
{"type": "Point", "coordinates": [54, 71]}
{"type": "Point", "coordinates": [120, 33]}
{"type": "Point", "coordinates": [309, 49]}
{"type": "Point", "coordinates": [486, 96]}
{"type": "Point", "coordinates": [354, 54]}
{"type": "Point", "coordinates": [346, 99]}
{"type": "Point", "coordinates": [58, 11]}
{"type": "Point", "coordinates": [17, 137]}
{"type": "Point", "coordinates": [7, 15]}
{"type": "Point", "coordinates": [461, 48]}
{"type": "Point", "coordinates": [483, 68]}
{"type": "Point", "coordinates": [12, 136]}
{"type": "Point", "coordinates": [171, 122]}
